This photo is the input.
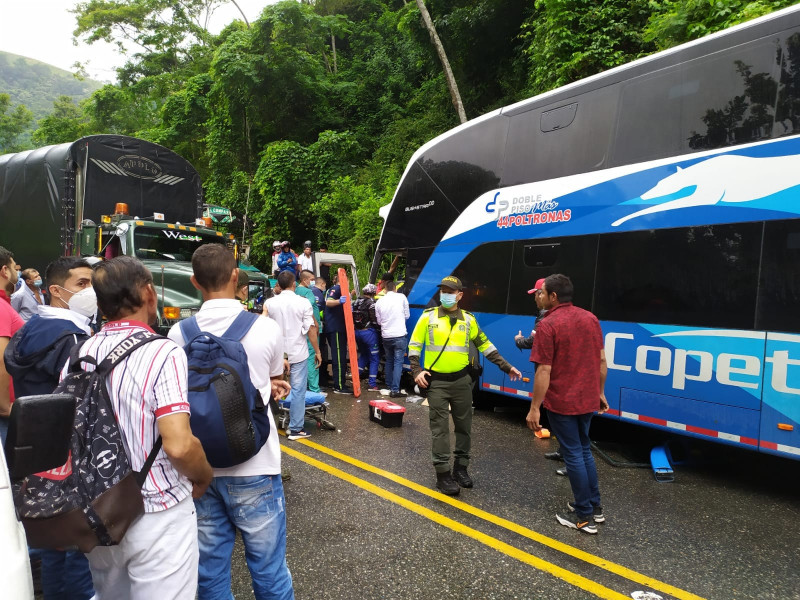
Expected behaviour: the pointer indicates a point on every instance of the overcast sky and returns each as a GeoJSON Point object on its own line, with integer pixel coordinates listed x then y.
{"type": "Point", "coordinates": [42, 29]}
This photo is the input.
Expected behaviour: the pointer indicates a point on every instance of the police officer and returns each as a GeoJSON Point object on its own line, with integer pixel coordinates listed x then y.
{"type": "Point", "coordinates": [447, 331]}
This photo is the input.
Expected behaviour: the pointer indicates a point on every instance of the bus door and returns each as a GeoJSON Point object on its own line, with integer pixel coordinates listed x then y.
{"type": "Point", "coordinates": [780, 409]}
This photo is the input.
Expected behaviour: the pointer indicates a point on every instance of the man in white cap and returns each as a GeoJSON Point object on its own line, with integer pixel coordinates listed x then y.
{"type": "Point", "coordinates": [276, 250]}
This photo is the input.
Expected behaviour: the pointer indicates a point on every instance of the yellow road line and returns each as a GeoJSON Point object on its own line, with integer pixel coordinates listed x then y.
{"type": "Point", "coordinates": [511, 526]}
{"type": "Point", "coordinates": [563, 574]}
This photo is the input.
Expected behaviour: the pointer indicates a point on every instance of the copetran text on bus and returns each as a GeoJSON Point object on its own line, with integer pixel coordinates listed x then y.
{"type": "Point", "coordinates": [740, 370]}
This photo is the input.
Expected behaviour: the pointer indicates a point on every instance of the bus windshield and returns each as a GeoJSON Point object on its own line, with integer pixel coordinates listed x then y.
{"type": "Point", "coordinates": [170, 244]}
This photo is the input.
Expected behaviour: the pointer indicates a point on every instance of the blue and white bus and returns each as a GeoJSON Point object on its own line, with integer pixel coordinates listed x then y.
{"type": "Point", "coordinates": [668, 189]}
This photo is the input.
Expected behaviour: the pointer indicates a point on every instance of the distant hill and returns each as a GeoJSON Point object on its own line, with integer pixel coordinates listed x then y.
{"type": "Point", "coordinates": [36, 84]}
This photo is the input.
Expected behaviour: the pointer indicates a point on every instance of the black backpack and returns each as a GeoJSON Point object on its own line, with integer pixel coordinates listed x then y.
{"type": "Point", "coordinates": [361, 319]}
{"type": "Point", "coordinates": [94, 497]}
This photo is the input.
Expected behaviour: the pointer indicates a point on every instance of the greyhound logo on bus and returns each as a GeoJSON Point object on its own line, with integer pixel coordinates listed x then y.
{"type": "Point", "coordinates": [722, 179]}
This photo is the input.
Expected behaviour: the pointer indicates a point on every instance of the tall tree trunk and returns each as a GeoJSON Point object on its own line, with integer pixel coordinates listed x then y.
{"type": "Point", "coordinates": [333, 45]}
{"type": "Point", "coordinates": [448, 72]}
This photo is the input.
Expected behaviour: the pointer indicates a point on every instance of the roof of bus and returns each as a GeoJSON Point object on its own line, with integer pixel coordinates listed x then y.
{"type": "Point", "coordinates": [563, 90]}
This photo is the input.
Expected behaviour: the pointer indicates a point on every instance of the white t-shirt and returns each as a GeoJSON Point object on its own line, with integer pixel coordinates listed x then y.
{"type": "Point", "coordinates": [294, 316]}
{"type": "Point", "coordinates": [305, 262]}
{"type": "Point", "coordinates": [264, 348]}
{"type": "Point", "coordinates": [392, 311]}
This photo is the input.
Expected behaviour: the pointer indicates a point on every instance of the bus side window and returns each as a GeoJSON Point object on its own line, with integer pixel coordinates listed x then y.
{"type": "Point", "coordinates": [534, 259]}
{"type": "Point", "coordinates": [709, 102]}
{"type": "Point", "coordinates": [703, 276]}
{"type": "Point", "coordinates": [779, 288]}
{"type": "Point", "coordinates": [484, 274]}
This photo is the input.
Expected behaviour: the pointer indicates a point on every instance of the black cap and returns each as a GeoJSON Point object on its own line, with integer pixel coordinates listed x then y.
{"type": "Point", "coordinates": [387, 277]}
{"type": "Point", "coordinates": [452, 282]}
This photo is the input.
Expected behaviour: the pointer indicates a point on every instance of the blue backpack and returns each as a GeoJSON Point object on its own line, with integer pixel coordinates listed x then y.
{"type": "Point", "coordinates": [228, 413]}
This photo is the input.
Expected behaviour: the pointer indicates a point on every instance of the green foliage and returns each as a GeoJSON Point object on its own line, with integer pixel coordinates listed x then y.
{"type": "Point", "coordinates": [290, 177]}
{"type": "Point", "coordinates": [37, 85]}
{"type": "Point", "coordinates": [674, 22]}
{"type": "Point", "coordinates": [567, 40]}
{"type": "Point", "coordinates": [347, 218]}
{"type": "Point", "coordinates": [305, 121]}
{"type": "Point", "coordinates": [13, 122]}
{"type": "Point", "coordinates": [66, 123]}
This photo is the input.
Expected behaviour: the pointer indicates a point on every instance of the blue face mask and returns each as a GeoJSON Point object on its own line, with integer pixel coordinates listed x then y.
{"type": "Point", "coordinates": [448, 300]}
{"type": "Point", "coordinates": [38, 283]}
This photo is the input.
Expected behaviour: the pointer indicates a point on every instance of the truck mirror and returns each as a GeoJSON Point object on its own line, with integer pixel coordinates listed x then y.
{"type": "Point", "coordinates": [39, 433]}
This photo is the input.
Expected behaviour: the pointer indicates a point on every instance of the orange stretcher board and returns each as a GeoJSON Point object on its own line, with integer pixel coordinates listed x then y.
{"type": "Point", "coordinates": [352, 349]}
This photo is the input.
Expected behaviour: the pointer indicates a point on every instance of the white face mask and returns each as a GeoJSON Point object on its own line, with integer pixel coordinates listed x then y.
{"type": "Point", "coordinates": [83, 302]}
{"type": "Point", "coordinates": [312, 283]}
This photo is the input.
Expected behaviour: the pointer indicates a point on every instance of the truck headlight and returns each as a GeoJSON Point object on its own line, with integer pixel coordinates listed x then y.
{"type": "Point", "coordinates": [172, 312]}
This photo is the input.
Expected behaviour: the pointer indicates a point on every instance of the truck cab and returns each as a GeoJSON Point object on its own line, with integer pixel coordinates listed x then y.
{"type": "Point", "coordinates": [166, 250]}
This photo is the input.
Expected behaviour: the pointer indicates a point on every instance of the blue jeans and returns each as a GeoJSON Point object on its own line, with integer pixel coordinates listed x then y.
{"type": "Point", "coordinates": [66, 575]}
{"type": "Point", "coordinates": [368, 352]}
{"type": "Point", "coordinates": [298, 378]}
{"type": "Point", "coordinates": [254, 506]}
{"type": "Point", "coordinates": [572, 432]}
{"type": "Point", "coordinates": [395, 351]}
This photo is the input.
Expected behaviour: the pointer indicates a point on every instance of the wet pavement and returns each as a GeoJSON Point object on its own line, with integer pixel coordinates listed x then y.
{"type": "Point", "coordinates": [365, 522]}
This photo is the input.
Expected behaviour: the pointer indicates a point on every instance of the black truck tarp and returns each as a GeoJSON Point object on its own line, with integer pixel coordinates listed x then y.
{"type": "Point", "coordinates": [46, 193]}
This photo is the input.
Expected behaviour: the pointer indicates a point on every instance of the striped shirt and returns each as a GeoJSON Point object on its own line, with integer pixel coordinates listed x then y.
{"type": "Point", "coordinates": [149, 384]}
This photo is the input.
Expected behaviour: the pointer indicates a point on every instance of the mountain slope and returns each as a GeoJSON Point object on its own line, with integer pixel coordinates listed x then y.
{"type": "Point", "coordinates": [36, 84]}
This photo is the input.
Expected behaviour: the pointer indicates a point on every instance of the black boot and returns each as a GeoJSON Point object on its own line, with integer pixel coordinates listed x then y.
{"type": "Point", "coordinates": [461, 476]}
{"type": "Point", "coordinates": [446, 484]}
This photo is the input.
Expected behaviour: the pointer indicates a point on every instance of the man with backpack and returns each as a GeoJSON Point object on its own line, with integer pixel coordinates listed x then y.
{"type": "Point", "coordinates": [367, 333]}
{"type": "Point", "coordinates": [247, 496]}
{"type": "Point", "coordinates": [158, 556]}
{"type": "Point", "coordinates": [34, 357]}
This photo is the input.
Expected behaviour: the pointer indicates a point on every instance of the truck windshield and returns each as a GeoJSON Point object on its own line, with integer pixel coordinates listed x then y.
{"type": "Point", "coordinates": [170, 244]}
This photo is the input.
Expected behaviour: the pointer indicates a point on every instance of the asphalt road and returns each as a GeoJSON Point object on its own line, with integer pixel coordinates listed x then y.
{"type": "Point", "coordinates": [364, 520]}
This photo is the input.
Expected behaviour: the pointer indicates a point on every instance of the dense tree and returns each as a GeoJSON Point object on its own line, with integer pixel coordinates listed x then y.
{"type": "Point", "coordinates": [304, 120]}
{"type": "Point", "coordinates": [13, 122]}
{"type": "Point", "coordinates": [676, 21]}
{"type": "Point", "coordinates": [567, 40]}
{"type": "Point", "coordinates": [66, 123]}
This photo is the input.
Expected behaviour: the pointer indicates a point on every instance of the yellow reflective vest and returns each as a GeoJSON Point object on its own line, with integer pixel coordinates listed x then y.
{"type": "Point", "coordinates": [432, 331]}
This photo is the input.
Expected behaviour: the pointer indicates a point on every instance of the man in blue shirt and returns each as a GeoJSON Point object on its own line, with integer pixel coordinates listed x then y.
{"type": "Point", "coordinates": [287, 260]}
{"type": "Point", "coordinates": [28, 297]}
{"type": "Point", "coordinates": [335, 333]}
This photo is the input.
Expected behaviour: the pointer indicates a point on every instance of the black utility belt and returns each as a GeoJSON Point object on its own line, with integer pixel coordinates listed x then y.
{"type": "Point", "coordinates": [449, 376]}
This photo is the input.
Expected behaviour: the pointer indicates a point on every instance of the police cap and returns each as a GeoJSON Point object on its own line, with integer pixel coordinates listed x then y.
{"type": "Point", "coordinates": [452, 282]}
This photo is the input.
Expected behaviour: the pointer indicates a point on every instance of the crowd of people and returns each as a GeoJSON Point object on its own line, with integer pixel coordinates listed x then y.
{"type": "Point", "coordinates": [182, 544]}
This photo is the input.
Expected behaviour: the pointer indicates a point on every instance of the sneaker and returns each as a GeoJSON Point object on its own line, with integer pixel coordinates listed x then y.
{"type": "Point", "coordinates": [298, 435]}
{"type": "Point", "coordinates": [573, 521]}
{"type": "Point", "coordinates": [597, 512]}
{"type": "Point", "coordinates": [342, 391]}
{"type": "Point", "coordinates": [561, 471]}
{"type": "Point", "coordinates": [396, 395]}
{"type": "Point", "coordinates": [554, 455]}
{"type": "Point", "coordinates": [374, 389]}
